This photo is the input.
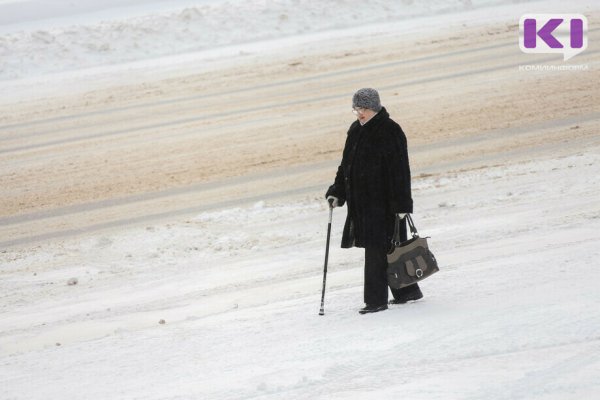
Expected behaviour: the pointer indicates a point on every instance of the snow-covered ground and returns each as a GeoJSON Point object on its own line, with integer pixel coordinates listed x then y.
{"type": "Point", "coordinates": [224, 305]}
{"type": "Point", "coordinates": [513, 313]}
{"type": "Point", "coordinates": [39, 37]}
{"type": "Point", "coordinates": [53, 36]}
{"type": "Point", "coordinates": [55, 46]}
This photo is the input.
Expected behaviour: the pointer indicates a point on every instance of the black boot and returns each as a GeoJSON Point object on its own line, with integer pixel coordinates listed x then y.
{"type": "Point", "coordinates": [406, 294]}
{"type": "Point", "coordinates": [371, 309]}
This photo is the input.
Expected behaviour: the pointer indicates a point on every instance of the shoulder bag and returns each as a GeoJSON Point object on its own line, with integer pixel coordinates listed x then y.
{"type": "Point", "coordinates": [411, 261]}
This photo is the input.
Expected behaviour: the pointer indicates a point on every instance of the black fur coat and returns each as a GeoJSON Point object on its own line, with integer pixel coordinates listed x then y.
{"type": "Point", "coordinates": [374, 181]}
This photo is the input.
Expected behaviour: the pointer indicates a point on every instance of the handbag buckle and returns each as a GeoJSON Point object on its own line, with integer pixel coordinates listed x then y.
{"type": "Point", "coordinates": [419, 272]}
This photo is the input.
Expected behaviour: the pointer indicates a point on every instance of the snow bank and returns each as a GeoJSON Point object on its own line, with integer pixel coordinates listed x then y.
{"type": "Point", "coordinates": [41, 37]}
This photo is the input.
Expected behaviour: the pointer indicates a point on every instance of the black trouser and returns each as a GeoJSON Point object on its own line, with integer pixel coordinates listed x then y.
{"type": "Point", "coordinates": [376, 285]}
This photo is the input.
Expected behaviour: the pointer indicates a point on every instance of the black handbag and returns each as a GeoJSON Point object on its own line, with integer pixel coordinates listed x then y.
{"type": "Point", "coordinates": [411, 261]}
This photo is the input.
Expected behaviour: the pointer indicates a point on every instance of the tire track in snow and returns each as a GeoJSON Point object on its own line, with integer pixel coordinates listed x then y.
{"type": "Point", "coordinates": [350, 71]}
{"type": "Point", "coordinates": [272, 106]}
{"type": "Point", "coordinates": [195, 98]}
{"type": "Point", "coordinates": [199, 188]}
{"type": "Point", "coordinates": [283, 83]}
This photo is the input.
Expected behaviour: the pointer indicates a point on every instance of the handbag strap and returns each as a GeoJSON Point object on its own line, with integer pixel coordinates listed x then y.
{"type": "Point", "coordinates": [411, 225]}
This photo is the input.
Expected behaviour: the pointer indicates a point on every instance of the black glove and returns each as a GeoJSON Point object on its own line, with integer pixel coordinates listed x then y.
{"type": "Point", "coordinates": [333, 201]}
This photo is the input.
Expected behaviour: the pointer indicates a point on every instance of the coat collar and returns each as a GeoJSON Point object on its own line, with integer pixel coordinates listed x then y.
{"type": "Point", "coordinates": [374, 122]}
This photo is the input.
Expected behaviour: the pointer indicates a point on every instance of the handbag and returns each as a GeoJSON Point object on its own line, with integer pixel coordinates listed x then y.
{"type": "Point", "coordinates": [411, 261]}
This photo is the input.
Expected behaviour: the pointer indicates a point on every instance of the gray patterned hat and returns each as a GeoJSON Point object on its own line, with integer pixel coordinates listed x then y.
{"type": "Point", "coordinates": [366, 98]}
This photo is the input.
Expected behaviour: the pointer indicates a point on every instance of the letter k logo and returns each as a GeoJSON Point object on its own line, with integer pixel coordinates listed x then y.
{"type": "Point", "coordinates": [545, 33]}
{"type": "Point", "coordinates": [553, 33]}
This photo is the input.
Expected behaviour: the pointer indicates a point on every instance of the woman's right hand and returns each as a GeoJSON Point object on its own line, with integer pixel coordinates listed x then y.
{"type": "Point", "coordinates": [333, 201]}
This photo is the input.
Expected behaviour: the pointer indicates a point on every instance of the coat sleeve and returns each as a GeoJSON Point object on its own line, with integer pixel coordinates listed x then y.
{"type": "Point", "coordinates": [338, 189]}
{"type": "Point", "coordinates": [398, 171]}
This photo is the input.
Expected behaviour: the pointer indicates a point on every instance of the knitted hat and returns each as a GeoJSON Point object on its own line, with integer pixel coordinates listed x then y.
{"type": "Point", "coordinates": [366, 98]}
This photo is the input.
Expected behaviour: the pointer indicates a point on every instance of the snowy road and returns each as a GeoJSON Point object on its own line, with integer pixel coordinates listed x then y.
{"type": "Point", "coordinates": [483, 140]}
{"type": "Point", "coordinates": [193, 194]}
{"type": "Point", "coordinates": [135, 155]}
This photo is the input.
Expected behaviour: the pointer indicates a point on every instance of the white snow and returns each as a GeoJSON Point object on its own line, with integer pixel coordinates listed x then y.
{"type": "Point", "coordinates": [63, 46]}
{"type": "Point", "coordinates": [48, 37]}
{"type": "Point", "coordinates": [512, 314]}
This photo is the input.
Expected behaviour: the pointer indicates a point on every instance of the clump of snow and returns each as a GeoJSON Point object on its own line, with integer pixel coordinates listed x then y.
{"type": "Point", "coordinates": [72, 281]}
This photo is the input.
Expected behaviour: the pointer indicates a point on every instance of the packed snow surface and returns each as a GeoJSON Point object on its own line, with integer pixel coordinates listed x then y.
{"type": "Point", "coordinates": [225, 305]}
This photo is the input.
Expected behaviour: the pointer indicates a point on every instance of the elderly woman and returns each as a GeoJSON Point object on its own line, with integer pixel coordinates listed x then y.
{"type": "Point", "coordinates": [374, 180]}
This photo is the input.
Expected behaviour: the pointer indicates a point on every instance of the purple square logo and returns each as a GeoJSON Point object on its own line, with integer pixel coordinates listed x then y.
{"type": "Point", "coordinates": [553, 33]}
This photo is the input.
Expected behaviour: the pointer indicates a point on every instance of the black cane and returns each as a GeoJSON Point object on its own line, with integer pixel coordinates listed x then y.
{"type": "Point", "coordinates": [322, 311]}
